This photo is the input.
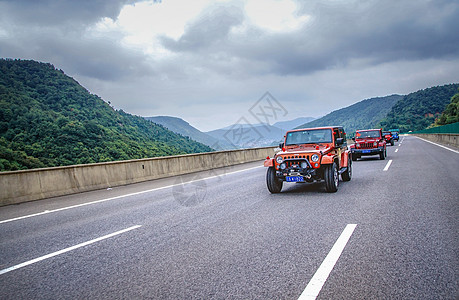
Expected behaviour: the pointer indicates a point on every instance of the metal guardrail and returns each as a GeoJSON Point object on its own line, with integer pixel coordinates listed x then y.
{"type": "Point", "coordinates": [445, 129]}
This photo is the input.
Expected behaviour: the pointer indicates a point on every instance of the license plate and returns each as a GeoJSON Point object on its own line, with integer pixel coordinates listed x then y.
{"type": "Point", "coordinates": [294, 179]}
{"type": "Point", "coordinates": [366, 151]}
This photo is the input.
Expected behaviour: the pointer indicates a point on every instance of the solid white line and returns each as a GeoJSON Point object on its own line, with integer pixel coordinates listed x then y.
{"type": "Point", "coordinates": [118, 197]}
{"type": "Point", "coordinates": [65, 250]}
{"type": "Point", "coordinates": [314, 286]}
{"type": "Point", "coordinates": [455, 151]}
{"type": "Point", "coordinates": [387, 165]}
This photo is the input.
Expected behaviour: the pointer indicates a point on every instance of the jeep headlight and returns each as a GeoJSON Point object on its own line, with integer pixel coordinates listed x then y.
{"type": "Point", "coordinates": [375, 144]}
{"type": "Point", "coordinates": [279, 159]}
{"type": "Point", "coordinates": [315, 157]}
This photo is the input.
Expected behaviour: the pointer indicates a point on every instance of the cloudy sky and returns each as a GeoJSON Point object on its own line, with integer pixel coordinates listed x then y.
{"type": "Point", "coordinates": [209, 62]}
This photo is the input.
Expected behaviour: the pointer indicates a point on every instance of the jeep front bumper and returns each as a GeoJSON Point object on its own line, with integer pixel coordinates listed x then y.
{"type": "Point", "coordinates": [297, 168]}
{"type": "Point", "coordinates": [363, 152]}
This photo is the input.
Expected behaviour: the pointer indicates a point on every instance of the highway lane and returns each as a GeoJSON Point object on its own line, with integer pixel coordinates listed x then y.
{"type": "Point", "coordinates": [235, 240]}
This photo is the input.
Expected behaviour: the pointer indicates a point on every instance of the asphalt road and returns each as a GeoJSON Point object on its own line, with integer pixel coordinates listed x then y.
{"type": "Point", "coordinates": [227, 237]}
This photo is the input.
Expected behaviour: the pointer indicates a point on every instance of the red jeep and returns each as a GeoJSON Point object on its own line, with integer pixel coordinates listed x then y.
{"type": "Point", "coordinates": [369, 142]}
{"type": "Point", "coordinates": [310, 154]}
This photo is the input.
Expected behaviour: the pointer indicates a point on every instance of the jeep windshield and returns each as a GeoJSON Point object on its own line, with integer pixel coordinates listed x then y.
{"type": "Point", "coordinates": [310, 136]}
{"type": "Point", "coordinates": [367, 134]}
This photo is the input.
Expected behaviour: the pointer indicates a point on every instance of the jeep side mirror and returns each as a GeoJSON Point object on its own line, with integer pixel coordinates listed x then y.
{"type": "Point", "coordinates": [339, 141]}
{"type": "Point", "coordinates": [281, 145]}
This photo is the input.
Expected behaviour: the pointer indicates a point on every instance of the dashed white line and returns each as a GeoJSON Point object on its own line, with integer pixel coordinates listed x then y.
{"type": "Point", "coordinates": [387, 165]}
{"type": "Point", "coordinates": [118, 197]}
{"type": "Point", "coordinates": [314, 286]}
{"type": "Point", "coordinates": [396, 150]}
{"type": "Point", "coordinates": [24, 264]}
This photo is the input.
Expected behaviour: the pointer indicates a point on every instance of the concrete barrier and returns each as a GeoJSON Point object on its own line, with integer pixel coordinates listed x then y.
{"type": "Point", "coordinates": [449, 139]}
{"type": "Point", "coordinates": [35, 184]}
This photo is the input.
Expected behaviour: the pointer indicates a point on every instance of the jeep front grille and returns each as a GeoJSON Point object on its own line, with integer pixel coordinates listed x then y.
{"type": "Point", "coordinates": [297, 161]}
{"type": "Point", "coordinates": [367, 145]}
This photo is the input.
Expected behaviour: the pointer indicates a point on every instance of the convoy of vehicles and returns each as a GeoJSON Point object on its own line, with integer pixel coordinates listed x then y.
{"type": "Point", "coordinates": [321, 154]}
{"type": "Point", "coordinates": [308, 155]}
{"type": "Point", "coordinates": [369, 142]}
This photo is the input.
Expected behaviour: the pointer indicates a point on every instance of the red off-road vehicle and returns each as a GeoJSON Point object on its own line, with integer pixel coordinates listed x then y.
{"type": "Point", "coordinates": [310, 154]}
{"type": "Point", "coordinates": [388, 137]}
{"type": "Point", "coordinates": [369, 142]}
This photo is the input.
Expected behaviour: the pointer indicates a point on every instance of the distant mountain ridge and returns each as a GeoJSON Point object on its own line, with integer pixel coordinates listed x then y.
{"type": "Point", "coordinates": [287, 125]}
{"type": "Point", "coordinates": [256, 135]}
{"type": "Point", "coordinates": [184, 128]}
{"type": "Point", "coordinates": [249, 136]}
{"type": "Point", "coordinates": [231, 137]}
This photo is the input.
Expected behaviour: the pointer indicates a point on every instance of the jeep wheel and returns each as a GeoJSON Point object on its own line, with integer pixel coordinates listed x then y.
{"type": "Point", "coordinates": [274, 184]}
{"type": "Point", "coordinates": [392, 142]}
{"type": "Point", "coordinates": [331, 177]}
{"type": "Point", "coordinates": [347, 175]}
{"type": "Point", "coordinates": [354, 157]}
{"type": "Point", "coordinates": [383, 155]}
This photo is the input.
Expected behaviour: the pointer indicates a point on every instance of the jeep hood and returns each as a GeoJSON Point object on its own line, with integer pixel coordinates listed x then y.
{"type": "Point", "coordinates": [302, 149]}
{"type": "Point", "coordinates": [367, 140]}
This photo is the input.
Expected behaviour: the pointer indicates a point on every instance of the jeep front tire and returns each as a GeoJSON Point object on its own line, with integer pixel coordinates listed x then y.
{"type": "Point", "coordinates": [383, 154]}
{"type": "Point", "coordinates": [347, 175]}
{"type": "Point", "coordinates": [274, 184]}
{"type": "Point", "coordinates": [331, 177]}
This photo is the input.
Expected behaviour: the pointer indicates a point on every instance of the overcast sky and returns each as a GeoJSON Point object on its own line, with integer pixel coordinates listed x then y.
{"type": "Point", "coordinates": [209, 62]}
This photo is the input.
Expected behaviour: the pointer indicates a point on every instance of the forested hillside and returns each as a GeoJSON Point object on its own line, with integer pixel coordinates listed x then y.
{"type": "Point", "coordinates": [450, 114]}
{"type": "Point", "coordinates": [364, 114]}
{"type": "Point", "coordinates": [48, 119]}
{"type": "Point", "coordinates": [416, 111]}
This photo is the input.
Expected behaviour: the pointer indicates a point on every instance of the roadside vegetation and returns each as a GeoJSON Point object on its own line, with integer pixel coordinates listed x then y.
{"type": "Point", "coordinates": [451, 113]}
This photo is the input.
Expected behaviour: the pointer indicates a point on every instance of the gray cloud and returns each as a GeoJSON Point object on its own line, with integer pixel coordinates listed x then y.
{"type": "Point", "coordinates": [41, 30]}
{"type": "Point", "coordinates": [51, 12]}
{"type": "Point", "coordinates": [377, 32]}
{"type": "Point", "coordinates": [208, 31]}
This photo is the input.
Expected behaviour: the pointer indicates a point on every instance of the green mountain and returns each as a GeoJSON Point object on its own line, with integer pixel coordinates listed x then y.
{"type": "Point", "coordinates": [47, 119]}
{"type": "Point", "coordinates": [416, 111]}
{"type": "Point", "coordinates": [364, 114]}
{"type": "Point", "coordinates": [182, 127]}
{"type": "Point", "coordinates": [451, 113]}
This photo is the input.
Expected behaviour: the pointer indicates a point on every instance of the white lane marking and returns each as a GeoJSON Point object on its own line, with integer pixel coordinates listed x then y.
{"type": "Point", "coordinates": [121, 196]}
{"type": "Point", "coordinates": [387, 165]}
{"type": "Point", "coordinates": [396, 150]}
{"type": "Point", "coordinates": [314, 286]}
{"type": "Point", "coordinates": [66, 250]}
{"type": "Point", "coordinates": [455, 151]}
